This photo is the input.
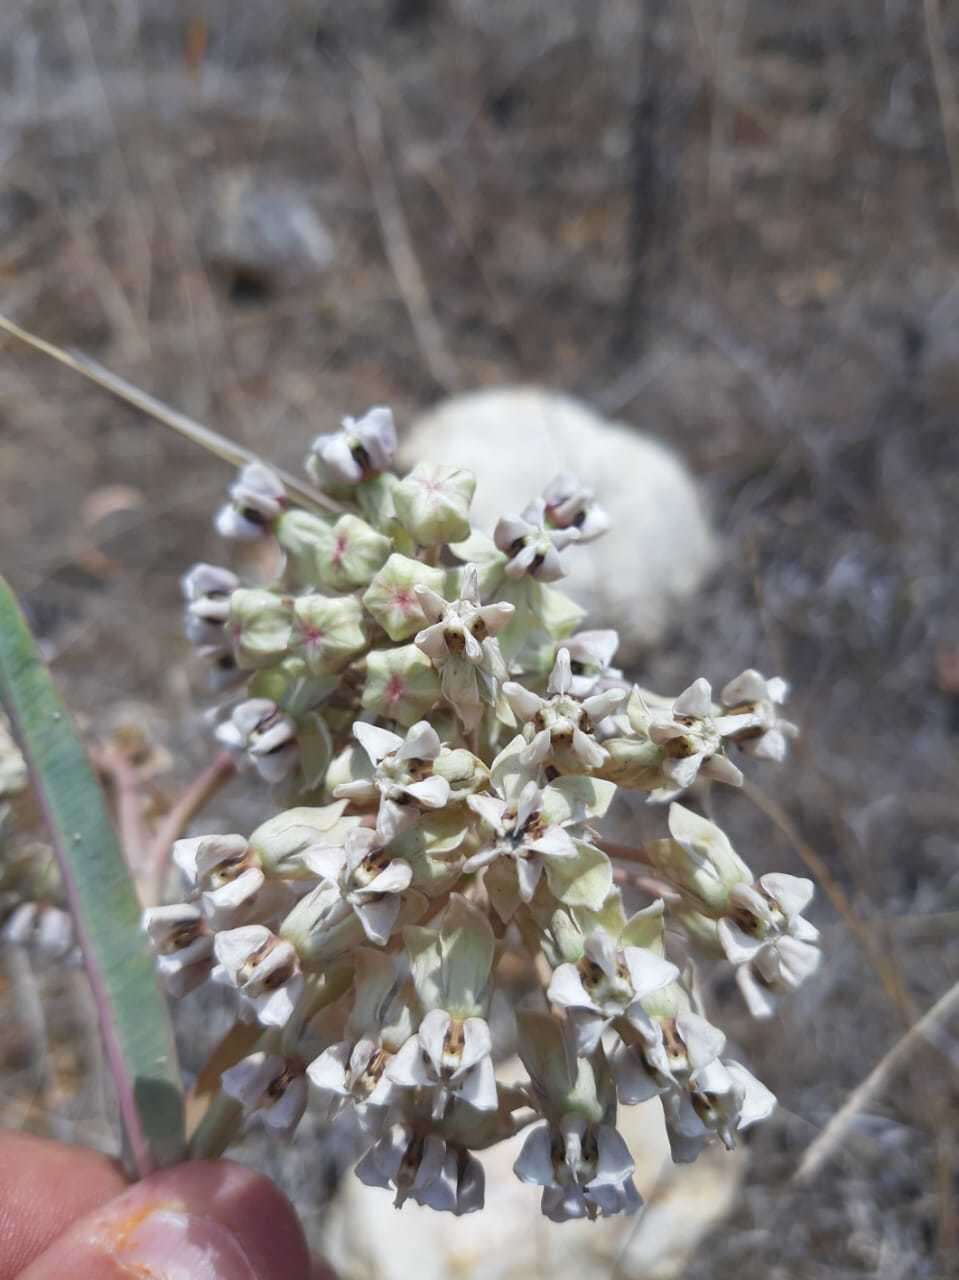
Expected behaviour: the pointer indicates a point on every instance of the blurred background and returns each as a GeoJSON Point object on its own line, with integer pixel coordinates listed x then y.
{"type": "Point", "coordinates": [732, 224]}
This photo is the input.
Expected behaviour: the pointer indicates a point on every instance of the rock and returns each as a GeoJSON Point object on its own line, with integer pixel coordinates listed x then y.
{"type": "Point", "coordinates": [515, 439]}
{"type": "Point", "coordinates": [365, 1238]}
{"type": "Point", "coordinates": [263, 236]}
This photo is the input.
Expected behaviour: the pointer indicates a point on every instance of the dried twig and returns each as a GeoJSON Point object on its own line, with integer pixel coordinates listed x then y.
{"type": "Point", "coordinates": [828, 1141]}
{"type": "Point", "coordinates": [205, 437]}
{"type": "Point", "coordinates": [397, 241]}
{"type": "Point", "coordinates": [214, 777]}
{"type": "Point", "coordinates": [945, 90]}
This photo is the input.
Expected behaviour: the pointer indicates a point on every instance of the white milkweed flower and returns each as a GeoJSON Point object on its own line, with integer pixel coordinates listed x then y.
{"type": "Point", "coordinates": [677, 1057]}
{"type": "Point", "coordinates": [363, 447]}
{"type": "Point", "coordinates": [42, 926]}
{"type": "Point", "coordinates": [608, 982]}
{"type": "Point", "coordinates": [360, 877]}
{"type": "Point", "coordinates": [461, 644]}
{"type": "Point", "coordinates": [183, 944]}
{"type": "Point", "coordinates": [206, 590]}
{"type": "Point", "coordinates": [265, 735]}
{"type": "Point", "coordinates": [585, 1169]}
{"type": "Point", "coordinates": [577, 1156]}
{"type": "Point", "coordinates": [753, 695]}
{"type": "Point", "coordinates": [590, 656]}
{"type": "Point", "coordinates": [531, 545]}
{"type": "Point", "coordinates": [450, 1053]}
{"type": "Point", "coordinates": [403, 783]}
{"type": "Point", "coordinates": [257, 498]}
{"type": "Point", "coordinates": [227, 874]}
{"type": "Point", "coordinates": [353, 1070]}
{"type": "Point", "coordinates": [423, 1167]}
{"type": "Point", "coordinates": [570, 505]}
{"type": "Point", "coordinates": [265, 970]}
{"type": "Point", "coordinates": [269, 1086]}
{"type": "Point", "coordinates": [692, 739]}
{"type": "Point", "coordinates": [559, 728]}
{"type": "Point", "coordinates": [766, 937]}
{"type": "Point", "coordinates": [523, 833]}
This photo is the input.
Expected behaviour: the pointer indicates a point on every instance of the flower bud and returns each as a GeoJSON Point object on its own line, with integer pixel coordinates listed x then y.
{"type": "Point", "coordinates": [392, 598]}
{"type": "Point", "coordinates": [700, 860]}
{"type": "Point", "coordinates": [259, 624]}
{"type": "Point", "coordinates": [280, 842]}
{"type": "Point", "coordinates": [433, 502]}
{"type": "Point", "coordinates": [256, 500]}
{"type": "Point", "coordinates": [362, 449]}
{"type": "Point", "coordinates": [327, 632]}
{"type": "Point", "coordinates": [401, 684]}
{"type": "Point", "coordinates": [634, 763]}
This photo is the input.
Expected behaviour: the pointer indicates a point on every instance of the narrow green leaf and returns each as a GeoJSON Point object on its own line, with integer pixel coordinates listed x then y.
{"type": "Point", "coordinates": [134, 1022]}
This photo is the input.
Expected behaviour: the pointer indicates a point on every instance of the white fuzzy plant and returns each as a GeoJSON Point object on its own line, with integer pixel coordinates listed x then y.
{"type": "Point", "coordinates": [449, 740]}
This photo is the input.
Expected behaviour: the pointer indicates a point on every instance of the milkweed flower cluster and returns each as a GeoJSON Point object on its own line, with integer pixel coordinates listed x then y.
{"type": "Point", "coordinates": [443, 738]}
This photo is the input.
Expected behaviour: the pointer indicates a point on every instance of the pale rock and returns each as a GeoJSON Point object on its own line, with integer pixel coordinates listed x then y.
{"type": "Point", "coordinates": [516, 439]}
{"type": "Point", "coordinates": [365, 1238]}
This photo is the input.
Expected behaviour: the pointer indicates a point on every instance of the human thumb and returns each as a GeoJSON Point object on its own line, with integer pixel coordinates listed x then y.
{"type": "Point", "coordinates": [199, 1221]}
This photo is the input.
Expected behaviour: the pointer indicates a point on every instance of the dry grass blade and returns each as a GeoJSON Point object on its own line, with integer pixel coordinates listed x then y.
{"type": "Point", "coordinates": [828, 1141]}
{"type": "Point", "coordinates": [205, 437]}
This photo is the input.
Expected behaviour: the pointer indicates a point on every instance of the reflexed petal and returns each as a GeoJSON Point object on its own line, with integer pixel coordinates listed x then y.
{"type": "Point", "coordinates": [634, 1082]}
{"type": "Point", "coordinates": [601, 705]}
{"type": "Point", "coordinates": [482, 859]}
{"type": "Point", "coordinates": [738, 947]}
{"type": "Point", "coordinates": [510, 529]}
{"type": "Point", "coordinates": [523, 701]}
{"type": "Point", "coordinates": [756, 1101]}
{"type": "Point", "coordinates": [648, 972]}
{"type": "Point", "coordinates": [528, 873]}
{"type": "Point", "coordinates": [328, 1071]}
{"type": "Point", "coordinates": [431, 793]}
{"type": "Point", "coordinates": [792, 894]}
{"type": "Point", "coordinates": [432, 1036]}
{"type": "Point", "coordinates": [471, 1188]}
{"type": "Point", "coordinates": [552, 569]}
{"type": "Point", "coordinates": [478, 1086]}
{"type": "Point", "coordinates": [432, 642]}
{"type": "Point", "coordinates": [490, 809]}
{"type": "Point", "coordinates": [376, 742]}
{"type": "Point", "coordinates": [760, 1001]}
{"type": "Point", "coordinates": [798, 960]}
{"type": "Point", "coordinates": [326, 861]}
{"type": "Point", "coordinates": [496, 616]}
{"type": "Point", "coordinates": [477, 1043]}
{"type": "Point", "coordinates": [704, 1042]}
{"type": "Point", "coordinates": [750, 686]}
{"type": "Point", "coordinates": [563, 1204]}
{"type": "Point", "coordinates": [561, 677]}
{"type": "Point", "coordinates": [222, 906]}
{"type": "Point", "coordinates": [378, 917]}
{"type": "Point", "coordinates": [601, 949]}
{"type": "Point", "coordinates": [438, 1192]}
{"type": "Point", "coordinates": [433, 605]}
{"type": "Point", "coordinates": [588, 1028]}
{"type": "Point", "coordinates": [408, 1067]}
{"type": "Point", "coordinates": [534, 1164]}
{"type": "Point", "coordinates": [696, 701]}
{"type": "Point", "coordinates": [566, 989]}
{"type": "Point", "coordinates": [248, 1080]}
{"type": "Point", "coordinates": [530, 800]}
{"type": "Point", "coordinates": [185, 854]}
{"type": "Point", "coordinates": [278, 1007]}
{"type": "Point", "coordinates": [772, 745]}
{"type": "Point", "coordinates": [614, 1164]}
{"type": "Point", "coordinates": [588, 750]}
{"type": "Point", "coordinates": [235, 946]}
{"type": "Point", "coordinates": [554, 843]}
{"type": "Point", "coordinates": [394, 878]}
{"type": "Point", "coordinates": [721, 769]}
{"type": "Point", "coordinates": [363, 791]}
{"type": "Point", "coordinates": [537, 751]}
{"type": "Point", "coordinates": [422, 742]}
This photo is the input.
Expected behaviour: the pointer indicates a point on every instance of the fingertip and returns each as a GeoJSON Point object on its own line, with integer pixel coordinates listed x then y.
{"type": "Point", "coordinates": [203, 1220]}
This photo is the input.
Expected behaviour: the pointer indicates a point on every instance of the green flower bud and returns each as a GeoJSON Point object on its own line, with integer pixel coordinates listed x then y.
{"type": "Point", "coordinates": [341, 558]}
{"type": "Point", "coordinates": [464, 772]}
{"type": "Point", "coordinates": [327, 632]}
{"type": "Point", "coordinates": [279, 843]}
{"type": "Point", "coordinates": [401, 685]}
{"type": "Point", "coordinates": [259, 624]}
{"type": "Point", "coordinates": [699, 860]}
{"type": "Point", "coordinates": [391, 597]}
{"type": "Point", "coordinates": [432, 503]}
{"type": "Point", "coordinates": [633, 763]}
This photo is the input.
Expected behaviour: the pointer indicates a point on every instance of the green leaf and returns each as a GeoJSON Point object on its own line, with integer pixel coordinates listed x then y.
{"type": "Point", "coordinates": [134, 1022]}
